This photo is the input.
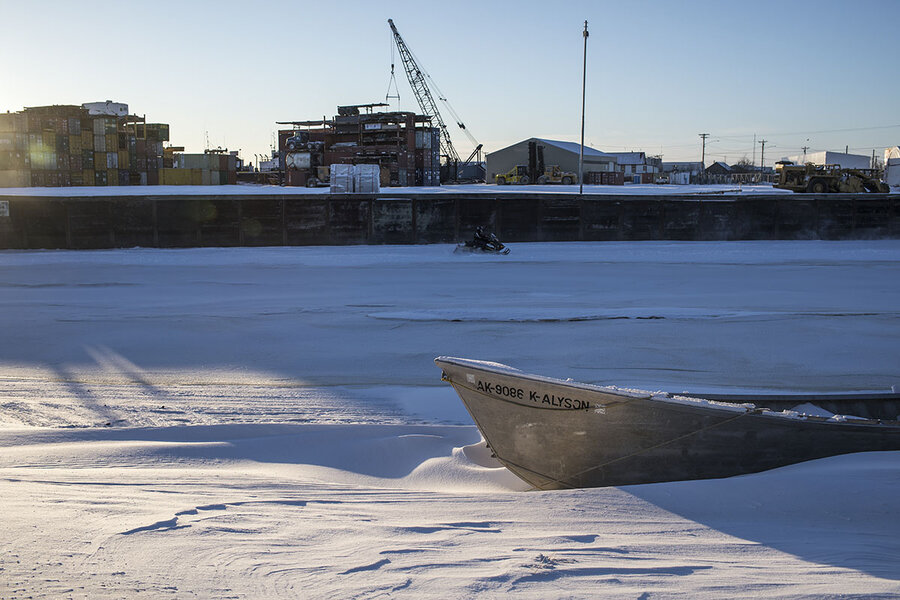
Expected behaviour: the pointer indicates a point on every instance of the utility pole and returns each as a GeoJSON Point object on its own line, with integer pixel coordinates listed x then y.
{"type": "Point", "coordinates": [762, 156]}
{"type": "Point", "coordinates": [703, 137]}
{"type": "Point", "coordinates": [583, 82]}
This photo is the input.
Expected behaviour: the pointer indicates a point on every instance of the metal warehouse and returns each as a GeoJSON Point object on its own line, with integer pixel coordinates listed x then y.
{"type": "Point", "coordinates": [599, 166]}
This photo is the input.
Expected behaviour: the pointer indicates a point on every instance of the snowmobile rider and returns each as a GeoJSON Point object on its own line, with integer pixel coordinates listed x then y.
{"type": "Point", "coordinates": [480, 238]}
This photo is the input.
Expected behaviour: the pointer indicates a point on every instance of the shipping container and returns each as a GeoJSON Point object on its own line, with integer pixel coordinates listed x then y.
{"type": "Point", "coordinates": [74, 144]}
{"type": "Point", "coordinates": [112, 142]}
{"type": "Point", "coordinates": [100, 177]}
{"type": "Point", "coordinates": [15, 178]}
{"type": "Point", "coordinates": [11, 123]}
{"type": "Point", "coordinates": [104, 126]}
{"type": "Point", "coordinates": [112, 176]}
{"type": "Point", "coordinates": [124, 162]}
{"type": "Point", "coordinates": [87, 139]}
{"type": "Point", "coordinates": [48, 139]}
{"type": "Point", "coordinates": [158, 132]}
{"type": "Point", "coordinates": [32, 122]}
{"type": "Point", "coordinates": [152, 177]}
{"type": "Point", "coordinates": [9, 142]}
{"type": "Point", "coordinates": [74, 126]}
{"type": "Point", "coordinates": [13, 160]}
{"type": "Point", "coordinates": [112, 160]}
{"type": "Point", "coordinates": [99, 143]}
{"type": "Point", "coordinates": [87, 159]}
{"type": "Point", "coordinates": [175, 176]}
{"type": "Point", "coordinates": [9, 160]}
{"type": "Point", "coordinates": [42, 160]}
{"type": "Point", "coordinates": [87, 177]}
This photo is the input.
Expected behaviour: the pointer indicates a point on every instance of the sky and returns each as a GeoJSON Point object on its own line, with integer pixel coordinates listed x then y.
{"type": "Point", "coordinates": [821, 74]}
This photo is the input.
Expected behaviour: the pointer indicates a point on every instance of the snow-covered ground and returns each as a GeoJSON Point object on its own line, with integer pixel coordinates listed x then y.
{"type": "Point", "coordinates": [253, 189]}
{"type": "Point", "coordinates": [268, 422]}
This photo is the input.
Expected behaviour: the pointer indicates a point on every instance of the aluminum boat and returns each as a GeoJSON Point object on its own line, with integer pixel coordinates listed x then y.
{"type": "Point", "coordinates": [558, 434]}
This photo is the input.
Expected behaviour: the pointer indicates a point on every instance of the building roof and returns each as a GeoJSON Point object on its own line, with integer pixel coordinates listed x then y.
{"type": "Point", "coordinates": [683, 164]}
{"type": "Point", "coordinates": [575, 148]}
{"type": "Point", "coordinates": [630, 158]}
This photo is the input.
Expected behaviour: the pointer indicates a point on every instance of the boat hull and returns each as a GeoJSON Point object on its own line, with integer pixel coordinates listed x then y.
{"type": "Point", "coordinates": [558, 434]}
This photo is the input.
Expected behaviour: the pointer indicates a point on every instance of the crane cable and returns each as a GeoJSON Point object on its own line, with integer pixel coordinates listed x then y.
{"type": "Point", "coordinates": [393, 80]}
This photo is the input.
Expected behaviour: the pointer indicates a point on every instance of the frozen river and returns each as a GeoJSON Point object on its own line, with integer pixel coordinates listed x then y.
{"type": "Point", "coordinates": [275, 414]}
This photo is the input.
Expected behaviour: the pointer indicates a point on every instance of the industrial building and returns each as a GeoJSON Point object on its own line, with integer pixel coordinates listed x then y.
{"type": "Point", "coordinates": [599, 167]}
{"type": "Point", "coordinates": [404, 145]}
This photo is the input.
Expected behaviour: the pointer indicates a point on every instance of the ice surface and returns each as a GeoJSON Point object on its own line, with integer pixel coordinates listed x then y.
{"type": "Point", "coordinates": [270, 422]}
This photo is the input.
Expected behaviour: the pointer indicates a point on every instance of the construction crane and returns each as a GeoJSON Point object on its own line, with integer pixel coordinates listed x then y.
{"type": "Point", "coordinates": [417, 81]}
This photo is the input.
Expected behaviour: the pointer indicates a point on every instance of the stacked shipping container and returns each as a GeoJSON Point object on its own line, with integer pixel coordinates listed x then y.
{"type": "Point", "coordinates": [67, 145]}
{"type": "Point", "coordinates": [211, 168]}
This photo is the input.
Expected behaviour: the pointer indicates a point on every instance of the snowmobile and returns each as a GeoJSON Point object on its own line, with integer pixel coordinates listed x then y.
{"type": "Point", "coordinates": [483, 243]}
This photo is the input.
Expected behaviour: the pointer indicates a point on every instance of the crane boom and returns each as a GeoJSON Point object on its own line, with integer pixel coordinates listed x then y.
{"type": "Point", "coordinates": [423, 94]}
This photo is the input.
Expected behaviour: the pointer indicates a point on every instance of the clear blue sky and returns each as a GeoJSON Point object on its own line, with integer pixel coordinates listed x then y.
{"type": "Point", "coordinates": [659, 72]}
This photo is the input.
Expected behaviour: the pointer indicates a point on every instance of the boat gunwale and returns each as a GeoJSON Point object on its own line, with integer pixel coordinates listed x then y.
{"type": "Point", "coordinates": [672, 401]}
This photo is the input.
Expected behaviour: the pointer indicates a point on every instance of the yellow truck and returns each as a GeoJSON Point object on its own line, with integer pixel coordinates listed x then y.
{"type": "Point", "coordinates": [552, 174]}
{"type": "Point", "coordinates": [516, 175]}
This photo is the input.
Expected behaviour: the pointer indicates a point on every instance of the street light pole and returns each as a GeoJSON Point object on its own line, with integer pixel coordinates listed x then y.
{"type": "Point", "coordinates": [583, 82]}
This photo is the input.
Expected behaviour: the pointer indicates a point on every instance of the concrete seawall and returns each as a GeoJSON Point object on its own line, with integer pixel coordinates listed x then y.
{"type": "Point", "coordinates": [173, 221]}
